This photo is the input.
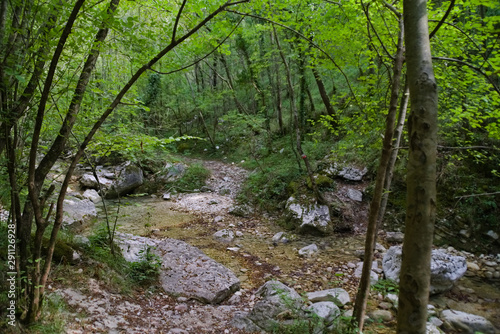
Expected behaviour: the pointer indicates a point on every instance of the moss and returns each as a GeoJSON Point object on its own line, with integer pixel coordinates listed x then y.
{"type": "Point", "coordinates": [63, 252]}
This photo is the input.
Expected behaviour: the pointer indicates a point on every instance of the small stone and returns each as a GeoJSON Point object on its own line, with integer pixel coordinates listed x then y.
{"type": "Point", "coordinates": [490, 264]}
{"type": "Point", "coordinates": [167, 197]}
{"type": "Point", "coordinates": [233, 249]}
{"type": "Point", "coordinates": [492, 234]}
{"type": "Point", "coordinates": [181, 308]}
{"type": "Point", "coordinates": [381, 315]}
{"type": "Point", "coordinates": [472, 266]}
{"type": "Point", "coordinates": [309, 250]}
{"type": "Point", "coordinates": [397, 237]}
{"type": "Point", "coordinates": [488, 274]}
{"type": "Point", "coordinates": [496, 274]}
{"type": "Point", "coordinates": [355, 195]}
{"type": "Point", "coordinates": [239, 233]}
{"type": "Point", "coordinates": [224, 235]}
{"type": "Point", "coordinates": [385, 305]}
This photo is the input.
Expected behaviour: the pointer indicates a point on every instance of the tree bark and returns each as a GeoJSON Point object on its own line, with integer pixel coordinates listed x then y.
{"type": "Point", "coordinates": [295, 116]}
{"type": "Point", "coordinates": [421, 176]}
{"type": "Point", "coordinates": [324, 97]}
{"type": "Point", "coordinates": [371, 234]}
{"type": "Point", "coordinates": [398, 133]}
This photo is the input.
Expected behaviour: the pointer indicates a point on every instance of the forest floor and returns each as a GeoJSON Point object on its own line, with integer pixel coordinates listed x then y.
{"type": "Point", "coordinates": [97, 306]}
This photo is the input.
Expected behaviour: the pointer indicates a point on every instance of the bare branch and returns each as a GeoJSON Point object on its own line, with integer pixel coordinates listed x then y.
{"type": "Point", "coordinates": [176, 24]}
{"type": "Point", "coordinates": [477, 195]}
{"type": "Point", "coordinates": [202, 58]}
{"type": "Point", "coordinates": [452, 3]}
{"type": "Point", "coordinates": [475, 68]}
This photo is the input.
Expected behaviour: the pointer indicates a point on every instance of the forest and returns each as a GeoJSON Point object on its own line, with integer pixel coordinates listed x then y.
{"type": "Point", "coordinates": [287, 90]}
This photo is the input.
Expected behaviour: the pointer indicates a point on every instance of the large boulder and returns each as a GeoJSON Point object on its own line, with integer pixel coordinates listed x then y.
{"type": "Point", "coordinates": [129, 178]}
{"type": "Point", "coordinates": [78, 213]}
{"type": "Point", "coordinates": [308, 218]}
{"type": "Point", "coordinates": [466, 323]}
{"type": "Point", "coordinates": [186, 271]}
{"type": "Point", "coordinates": [446, 269]}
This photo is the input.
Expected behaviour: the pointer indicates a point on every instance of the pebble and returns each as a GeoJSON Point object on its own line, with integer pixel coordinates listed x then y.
{"type": "Point", "coordinates": [490, 264]}
{"type": "Point", "coordinates": [488, 274]}
{"type": "Point", "coordinates": [181, 308]}
{"type": "Point", "coordinates": [496, 274]}
{"type": "Point", "coordinates": [472, 266]}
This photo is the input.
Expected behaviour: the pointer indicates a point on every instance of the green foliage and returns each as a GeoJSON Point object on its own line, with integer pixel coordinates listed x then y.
{"type": "Point", "coordinates": [386, 286]}
{"type": "Point", "coordinates": [194, 178]}
{"type": "Point", "coordinates": [147, 269]}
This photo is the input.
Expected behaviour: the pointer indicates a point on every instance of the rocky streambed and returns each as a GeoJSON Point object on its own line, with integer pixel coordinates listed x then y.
{"type": "Point", "coordinates": [252, 247]}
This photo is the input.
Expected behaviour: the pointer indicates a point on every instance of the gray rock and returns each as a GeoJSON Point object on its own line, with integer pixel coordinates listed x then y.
{"type": "Point", "coordinates": [466, 323]}
{"type": "Point", "coordinates": [88, 180]}
{"type": "Point", "coordinates": [373, 275]}
{"type": "Point", "coordinates": [432, 329]}
{"type": "Point", "coordinates": [167, 197]}
{"type": "Point", "coordinates": [186, 271]}
{"type": "Point", "coordinates": [338, 296]}
{"type": "Point", "coordinates": [129, 178]}
{"type": "Point", "coordinates": [173, 172]}
{"type": "Point", "coordinates": [348, 172]}
{"type": "Point", "coordinates": [308, 217]}
{"type": "Point", "coordinates": [492, 234]}
{"type": "Point", "coordinates": [78, 213]}
{"type": "Point", "coordinates": [132, 246]}
{"type": "Point", "coordinates": [397, 237]}
{"type": "Point", "coordinates": [224, 235]}
{"type": "Point", "coordinates": [241, 210]}
{"type": "Point", "coordinates": [355, 195]}
{"type": "Point", "coordinates": [92, 195]}
{"type": "Point", "coordinates": [280, 237]}
{"type": "Point", "coordinates": [308, 250]}
{"type": "Point", "coordinates": [446, 269]}
{"type": "Point", "coordinates": [326, 311]}
{"type": "Point", "coordinates": [279, 303]}
{"type": "Point", "coordinates": [381, 315]}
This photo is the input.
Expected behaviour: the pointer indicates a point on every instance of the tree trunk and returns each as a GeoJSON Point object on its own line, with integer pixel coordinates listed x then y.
{"type": "Point", "coordinates": [295, 116]}
{"type": "Point", "coordinates": [371, 234]}
{"type": "Point", "coordinates": [421, 176]}
{"type": "Point", "coordinates": [389, 174]}
{"type": "Point", "coordinates": [324, 97]}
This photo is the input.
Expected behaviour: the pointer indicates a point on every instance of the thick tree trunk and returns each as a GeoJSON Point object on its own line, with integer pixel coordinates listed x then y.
{"type": "Point", "coordinates": [421, 176]}
{"type": "Point", "coordinates": [371, 234]}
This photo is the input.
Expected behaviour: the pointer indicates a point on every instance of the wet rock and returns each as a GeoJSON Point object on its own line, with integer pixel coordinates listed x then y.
{"type": "Point", "coordinates": [308, 218]}
{"type": "Point", "coordinates": [224, 235]}
{"type": "Point", "coordinates": [338, 296]}
{"type": "Point", "coordinates": [308, 250]}
{"type": "Point", "coordinates": [78, 213]}
{"type": "Point", "coordinates": [445, 268]}
{"type": "Point", "coordinates": [466, 323]}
